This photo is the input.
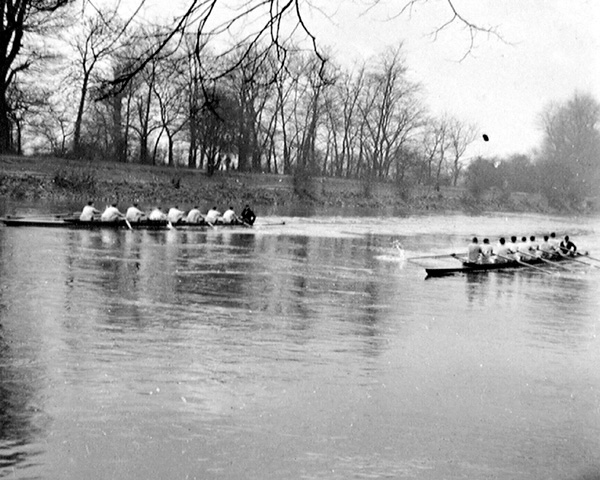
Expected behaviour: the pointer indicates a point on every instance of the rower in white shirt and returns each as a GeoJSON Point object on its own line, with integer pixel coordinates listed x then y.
{"type": "Point", "coordinates": [523, 252]}
{"type": "Point", "coordinates": [157, 215]}
{"type": "Point", "coordinates": [212, 215]}
{"type": "Point", "coordinates": [503, 252]}
{"type": "Point", "coordinates": [554, 242]}
{"type": "Point", "coordinates": [175, 215]}
{"type": "Point", "coordinates": [473, 251]}
{"type": "Point", "coordinates": [534, 247]}
{"type": "Point", "coordinates": [134, 214]}
{"type": "Point", "coordinates": [229, 216]}
{"type": "Point", "coordinates": [546, 250]}
{"type": "Point", "coordinates": [111, 214]}
{"type": "Point", "coordinates": [88, 212]}
{"type": "Point", "coordinates": [513, 247]}
{"type": "Point", "coordinates": [486, 251]}
{"type": "Point", "coordinates": [194, 216]}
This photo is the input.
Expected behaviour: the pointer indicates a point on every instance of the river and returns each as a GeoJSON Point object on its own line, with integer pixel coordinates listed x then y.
{"type": "Point", "coordinates": [314, 349]}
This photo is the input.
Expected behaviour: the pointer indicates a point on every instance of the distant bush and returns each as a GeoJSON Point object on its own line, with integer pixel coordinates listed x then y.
{"type": "Point", "coordinates": [75, 179]}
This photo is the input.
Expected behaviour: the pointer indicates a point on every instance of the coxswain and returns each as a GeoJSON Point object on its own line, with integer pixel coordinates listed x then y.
{"type": "Point", "coordinates": [212, 215]}
{"type": "Point", "coordinates": [175, 215]}
{"type": "Point", "coordinates": [194, 216]}
{"type": "Point", "coordinates": [486, 251]}
{"type": "Point", "coordinates": [567, 247]}
{"type": "Point", "coordinates": [229, 216]}
{"type": "Point", "coordinates": [248, 215]}
{"type": "Point", "coordinates": [157, 215]}
{"type": "Point", "coordinates": [111, 214]}
{"type": "Point", "coordinates": [503, 251]}
{"type": "Point", "coordinates": [88, 212]}
{"type": "Point", "coordinates": [134, 214]}
{"type": "Point", "coordinates": [473, 251]}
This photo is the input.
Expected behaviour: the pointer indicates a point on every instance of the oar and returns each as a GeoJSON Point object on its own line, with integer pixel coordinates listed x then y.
{"type": "Point", "coordinates": [269, 224]}
{"type": "Point", "coordinates": [241, 221]}
{"type": "Point", "coordinates": [456, 257]}
{"type": "Point", "coordinates": [573, 259]}
{"type": "Point", "coordinates": [48, 215]}
{"type": "Point", "coordinates": [587, 256]}
{"type": "Point", "coordinates": [170, 225]}
{"type": "Point", "coordinates": [437, 256]}
{"type": "Point", "coordinates": [524, 263]}
{"type": "Point", "coordinates": [549, 262]}
{"type": "Point", "coordinates": [128, 224]}
{"type": "Point", "coordinates": [207, 222]}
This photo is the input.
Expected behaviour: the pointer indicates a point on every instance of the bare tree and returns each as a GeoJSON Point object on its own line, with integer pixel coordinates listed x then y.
{"type": "Point", "coordinates": [389, 110]}
{"type": "Point", "coordinates": [435, 145]}
{"type": "Point", "coordinates": [274, 27]}
{"type": "Point", "coordinates": [96, 41]}
{"type": "Point", "coordinates": [18, 19]}
{"type": "Point", "coordinates": [461, 135]}
{"type": "Point", "coordinates": [570, 159]}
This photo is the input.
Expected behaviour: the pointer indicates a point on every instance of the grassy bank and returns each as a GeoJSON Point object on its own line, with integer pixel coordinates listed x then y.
{"type": "Point", "coordinates": [46, 178]}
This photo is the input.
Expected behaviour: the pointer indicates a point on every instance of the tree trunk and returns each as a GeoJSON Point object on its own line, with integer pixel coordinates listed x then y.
{"type": "Point", "coordinates": [5, 124]}
{"type": "Point", "coordinates": [79, 118]}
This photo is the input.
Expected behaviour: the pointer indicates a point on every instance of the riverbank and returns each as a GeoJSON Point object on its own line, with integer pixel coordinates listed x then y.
{"type": "Point", "coordinates": [54, 179]}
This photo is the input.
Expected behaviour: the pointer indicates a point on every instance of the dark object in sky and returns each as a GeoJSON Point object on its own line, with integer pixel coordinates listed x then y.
{"type": "Point", "coordinates": [485, 137]}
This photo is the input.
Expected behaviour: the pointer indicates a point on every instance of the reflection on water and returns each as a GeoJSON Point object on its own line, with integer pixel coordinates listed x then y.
{"type": "Point", "coordinates": [313, 352]}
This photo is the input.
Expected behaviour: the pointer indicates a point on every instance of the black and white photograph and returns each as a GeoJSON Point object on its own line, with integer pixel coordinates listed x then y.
{"type": "Point", "coordinates": [299, 239]}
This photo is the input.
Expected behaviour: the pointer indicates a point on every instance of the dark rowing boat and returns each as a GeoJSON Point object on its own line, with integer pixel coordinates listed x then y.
{"type": "Point", "coordinates": [120, 224]}
{"type": "Point", "coordinates": [468, 267]}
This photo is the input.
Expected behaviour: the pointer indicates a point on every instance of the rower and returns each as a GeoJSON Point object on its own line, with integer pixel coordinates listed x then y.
{"type": "Point", "coordinates": [111, 214]}
{"type": "Point", "coordinates": [473, 251]}
{"type": "Point", "coordinates": [514, 248]}
{"type": "Point", "coordinates": [248, 215]}
{"type": "Point", "coordinates": [194, 216]}
{"type": "Point", "coordinates": [134, 214]}
{"type": "Point", "coordinates": [545, 249]}
{"type": "Point", "coordinates": [533, 246]}
{"type": "Point", "coordinates": [567, 247]}
{"type": "Point", "coordinates": [229, 216]}
{"type": "Point", "coordinates": [554, 243]}
{"type": "Point", "coordinates": [522, 250]}
{"type": "Point", "coordinates": [503, 251]}
{"type": "Point", "coordinates": [175, 215]}
{"type": "Point", "coordinates": [486, 251]}
{"type": "Point", "coordinates": [157, 215]}
{"type": "Point", "coordinates": [212, 215]}
{"type": "Point", "coordinates": [88, 212]}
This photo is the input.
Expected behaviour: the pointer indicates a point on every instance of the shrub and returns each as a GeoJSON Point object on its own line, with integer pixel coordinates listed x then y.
{"type": "Point", "coordinates": [76, 180]}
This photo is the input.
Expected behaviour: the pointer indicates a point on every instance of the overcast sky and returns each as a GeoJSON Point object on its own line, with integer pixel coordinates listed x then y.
{"type": "Point", "coordinates": [551, 48]}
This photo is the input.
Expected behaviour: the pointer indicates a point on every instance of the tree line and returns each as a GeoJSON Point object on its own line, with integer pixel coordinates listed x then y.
{"type": "Point", "coordinates": [566, 168]}
{"type": "Point", "coordinates": [84, 82]}
{"type": "Point", "coordinates": [190, 106]}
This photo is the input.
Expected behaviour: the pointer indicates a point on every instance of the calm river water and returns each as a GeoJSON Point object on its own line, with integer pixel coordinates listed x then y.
{"type": "Point", "coordinates": [310, 350]}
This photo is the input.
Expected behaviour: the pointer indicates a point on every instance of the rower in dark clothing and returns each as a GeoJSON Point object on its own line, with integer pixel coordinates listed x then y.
{"type": "Point", "coordinates": [247, 215]}
{"type": "Point", "coordinates": [567, 247]}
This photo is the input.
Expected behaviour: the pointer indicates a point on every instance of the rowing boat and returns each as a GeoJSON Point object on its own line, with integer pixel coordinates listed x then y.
{"type": "Point", "coordinates": [468, 267]}
{"type": "Point", "coordinates": [119, 224]}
